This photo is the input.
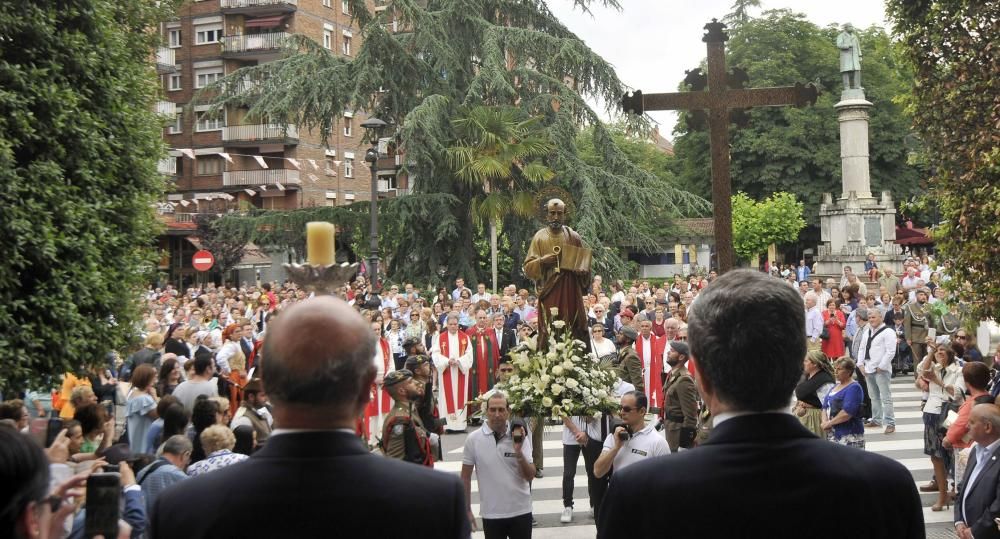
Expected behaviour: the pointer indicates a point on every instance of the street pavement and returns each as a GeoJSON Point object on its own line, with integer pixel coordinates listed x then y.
{"type": "Point", "coordinates": [905, 446]}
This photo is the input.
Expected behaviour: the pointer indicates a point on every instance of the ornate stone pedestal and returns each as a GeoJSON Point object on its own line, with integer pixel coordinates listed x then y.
{"type": "Point", "coordinates": [856, 224]}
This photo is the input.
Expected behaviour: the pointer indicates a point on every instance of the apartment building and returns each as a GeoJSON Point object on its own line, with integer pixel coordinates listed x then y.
{"type": "Point", "coordinates": [212, 38]}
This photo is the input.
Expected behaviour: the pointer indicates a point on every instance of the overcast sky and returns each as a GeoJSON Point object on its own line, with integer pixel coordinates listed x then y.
{"type": "Point", "coordinates": [652, 42]}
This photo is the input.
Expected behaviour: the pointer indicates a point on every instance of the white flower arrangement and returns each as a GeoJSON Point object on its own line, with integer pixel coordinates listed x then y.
{"type": "Point", "coordinates": [561, 382]}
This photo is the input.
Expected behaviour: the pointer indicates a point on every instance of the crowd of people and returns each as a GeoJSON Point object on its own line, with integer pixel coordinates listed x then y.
{"type": "Point", "coordinates": [191, 401]}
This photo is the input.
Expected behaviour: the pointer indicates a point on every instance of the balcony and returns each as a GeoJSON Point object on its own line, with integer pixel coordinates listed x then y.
{"type": "Point", "coordinates": [253, 178]}
{"type": "Point", "coordinates": [256, 134]}
{"type": "Point", "coordinates": [253, 46]}
{"type": "Point", "coordinates": [166, 108]}
{"type": "Point", "coordinates": [257, 7]}
{"type": "Point", "coordinates": [165, 60]}
{"type": "Point", "coordinates": [167, 166]}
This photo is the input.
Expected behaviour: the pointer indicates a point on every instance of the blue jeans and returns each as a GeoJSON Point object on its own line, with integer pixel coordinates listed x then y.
{"type": "Point", "coordinates": [881, 396]}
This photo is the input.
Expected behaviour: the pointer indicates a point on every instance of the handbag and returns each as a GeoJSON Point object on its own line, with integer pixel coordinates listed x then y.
{"type": "Point", "coordinates": [825, 334]}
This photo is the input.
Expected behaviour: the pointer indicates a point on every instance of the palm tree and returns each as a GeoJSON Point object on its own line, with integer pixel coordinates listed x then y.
{"type": "Point", "coordinates": [498, 154]}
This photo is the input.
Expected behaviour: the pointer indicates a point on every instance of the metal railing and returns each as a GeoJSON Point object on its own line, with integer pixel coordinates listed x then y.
{"type": "Point", "coordinates": [167, 166]}
{"type": "Point", "coordinates": [268, 176]}
{"type": "Point", "coordinates": [253, 42]}
{"type": "Point", "coordinates": [259, 132]}
{"type": "Point", "coordinates": [232, 4]}
{"type": "Point", "coordinates": [166, 58]}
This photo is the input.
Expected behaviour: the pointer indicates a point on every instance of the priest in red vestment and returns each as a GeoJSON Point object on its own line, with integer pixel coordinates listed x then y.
{"type": "Point", "coordinates": [651, 350]}
{"type": "Point", "coordinates": [452, 355]}
{"type": "Point", "coordinates": [485, 356]}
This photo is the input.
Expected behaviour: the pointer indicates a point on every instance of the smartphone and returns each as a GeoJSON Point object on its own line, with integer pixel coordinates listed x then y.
{"type": "Point", "coordinates": [931, 333]}
{"type": "Point", "coordinates": [103, 502]}
{"type": "Point", "coordinates": [52, 430]}
{"type": "Point", "coordinates": [109, 406]}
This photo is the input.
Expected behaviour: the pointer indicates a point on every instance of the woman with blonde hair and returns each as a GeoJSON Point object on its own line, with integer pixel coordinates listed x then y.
{"type": "Point", "coordinates": [817, 380]}
{"type": "Point", "coordinates": [218, 442]}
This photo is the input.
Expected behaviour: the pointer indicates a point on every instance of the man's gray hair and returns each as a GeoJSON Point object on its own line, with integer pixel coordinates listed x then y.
{"type": "Point", "coordinates": [178, 444]}
{"type": "Point", "coordinates": [862, 312]}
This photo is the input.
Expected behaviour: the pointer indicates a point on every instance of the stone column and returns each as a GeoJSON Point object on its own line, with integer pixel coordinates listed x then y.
{"type": "Point", "coordinates": [852, 112]}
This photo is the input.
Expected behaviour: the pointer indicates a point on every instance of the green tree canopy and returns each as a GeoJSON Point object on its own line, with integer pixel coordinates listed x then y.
{"type": "Point", "coordinates": [757, 225]}
{"type": "Point", "coordinates": [952, 45]}
{"type": "Point", "coordinates": [798, 150]}
{"type": "Point", "coordinates": [78, 147]}
{"type": "Point", "coordinates": [455, 53]}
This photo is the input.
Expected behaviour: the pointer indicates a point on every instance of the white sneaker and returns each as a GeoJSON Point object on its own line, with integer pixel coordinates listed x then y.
{"type": "Point", "coordinates": [567, 515]}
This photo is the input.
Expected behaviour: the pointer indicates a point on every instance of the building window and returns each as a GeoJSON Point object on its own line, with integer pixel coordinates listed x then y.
{"type": "Point", "coordinates": [345, 47]}
{"type": "Point", "coordinates": [174, 38]}
{"type": "Point", "coordinates": [209, 165]}
{"type": "Point", "coordinates": [348, 126]}
{"type": "Point", "coordinates": [207, 34]}
{"type": "Point", "coordinates": [175, 82]}
{"type": "Point", "coordinates": [327, 3]}
{"type": "Point", "coordinates": [327, 39]}
{"type": "Point", "coordinates": [204, 77]}
{"type": "Point", "coordinates": [178, 124]}
{"type": "Point", "coordinates": [348, 168]}
{"type": "Point", "coordinates": [209, 123]}
{"type": "Point", "coordinates": [345, 7]}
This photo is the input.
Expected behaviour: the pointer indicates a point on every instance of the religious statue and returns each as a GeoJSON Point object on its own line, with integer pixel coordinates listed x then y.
{"type": "Point", "coordinates": [560, 266]}
{"type": "Point", "coordinates": [850, 57]}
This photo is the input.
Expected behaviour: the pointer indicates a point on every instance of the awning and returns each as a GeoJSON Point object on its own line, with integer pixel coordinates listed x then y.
{"type": "Point", "coordinates": [194, 241]}
{"type": "Point", "coordinates": [264, 22]}
{"type": "Point", "coordinates": [912, 236]}
{"type": "Point", "coordinates": [253, 258]}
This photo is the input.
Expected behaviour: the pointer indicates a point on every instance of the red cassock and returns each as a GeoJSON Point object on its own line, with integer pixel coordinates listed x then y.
{"type": "Point", "coordinates": [485, 359]}
{"type": "Point", "coordinates": [446, 379]}
{"type": "Point", "coordinates": [653, 379]}
{"type": "Point", "coordinates": [377, 393]}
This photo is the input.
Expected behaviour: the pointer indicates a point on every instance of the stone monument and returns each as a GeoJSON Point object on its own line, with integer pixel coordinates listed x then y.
{"type": "Point", "coordinates": [856, 223]}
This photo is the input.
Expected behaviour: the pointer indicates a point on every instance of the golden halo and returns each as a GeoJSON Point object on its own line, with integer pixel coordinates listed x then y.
{"type": "Point", "coordinates": [549, 192]}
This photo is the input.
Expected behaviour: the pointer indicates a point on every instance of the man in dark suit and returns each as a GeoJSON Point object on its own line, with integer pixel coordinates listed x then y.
{"type": "Point", "coordinates": [747, 339]}
{"type": "Point", "coordinates": [505, 337]}
{"type": "Point", "coordinates": [977, 503]}
{"type": "Point", "coordinates": [315, 478]}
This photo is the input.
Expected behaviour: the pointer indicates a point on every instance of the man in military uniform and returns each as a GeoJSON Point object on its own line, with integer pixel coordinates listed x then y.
{"type": "Point", "coordinates": [426, 403]}
{"type": "Point", "coordinates": [680, 399]}
{"type": "Point", "coordinates": [403, 434]}
{"type": "Point", "coordinates": [629, 365]}
{"type": "Point", "coordinates": [916, 320]}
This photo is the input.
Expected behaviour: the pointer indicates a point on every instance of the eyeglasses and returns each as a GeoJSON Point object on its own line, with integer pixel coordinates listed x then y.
{"type": "Point", "coordinates": [961, 336]}
{"type": "Point", "coordinates": [507, 370]}
{"type": "Point", "coordinates": [627, 409]}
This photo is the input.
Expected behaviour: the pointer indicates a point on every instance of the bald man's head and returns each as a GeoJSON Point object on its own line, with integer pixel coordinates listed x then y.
{"type": "Point", "coordinates": [319, 352]}
{"type": "Point", "coordinates": [984, 424]}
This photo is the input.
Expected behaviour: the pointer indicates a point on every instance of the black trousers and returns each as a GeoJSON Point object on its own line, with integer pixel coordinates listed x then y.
{"type": "Point", "coordinates": [518, 527]}
{"type": "Point", "coordinates": [596, 486]}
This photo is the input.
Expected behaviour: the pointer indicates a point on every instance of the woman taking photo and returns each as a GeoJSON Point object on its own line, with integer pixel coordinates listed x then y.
{"type": "Point", "coordinates": [834, 322]}
{"type": "Point", "coordinates": [842, 407]}
{"type": "Point", "coordinates": [941, 377]}
{"type": "Point", "coordinates": [817, 381]}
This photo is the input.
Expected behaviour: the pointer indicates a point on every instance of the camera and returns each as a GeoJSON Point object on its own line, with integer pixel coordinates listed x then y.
{"type": "Point", "coordinates": [517, 432]}
{"type": "Point", "coordinates": [626, 434]}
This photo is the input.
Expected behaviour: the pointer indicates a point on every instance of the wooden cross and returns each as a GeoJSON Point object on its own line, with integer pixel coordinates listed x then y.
{"type": "Point", "coordinates": [725, 92]}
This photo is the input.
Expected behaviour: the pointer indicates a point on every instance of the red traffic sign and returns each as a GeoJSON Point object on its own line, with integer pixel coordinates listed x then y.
{"type": "Point", "coordinates": [203, 260]}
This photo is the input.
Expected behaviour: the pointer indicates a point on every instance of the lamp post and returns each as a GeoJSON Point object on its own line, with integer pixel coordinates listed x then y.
{"type": "Point", "coordinates": [374, 126]}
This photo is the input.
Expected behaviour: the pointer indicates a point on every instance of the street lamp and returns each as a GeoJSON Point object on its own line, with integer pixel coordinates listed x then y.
{"type": "Point", "coordinates": [374, 126]}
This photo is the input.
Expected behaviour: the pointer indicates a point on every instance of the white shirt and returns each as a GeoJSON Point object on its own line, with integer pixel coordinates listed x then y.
{"type": "Point", "coordinates": [882, 350]}
{"type": "Point", "coordinates": [503, 491]}
{"type": "Point", "coordinates": [647, 356]}
{"type": "Point", "coordinates": [589, 425]}
{"type": "Point", "coordinates": [602, 348]}
{"type": "Point", "coordinates": [814, 323]}
{"type": "Point", "coordinates": [477, 297]}
{"type": "Point", "coordinates": [645, 444]}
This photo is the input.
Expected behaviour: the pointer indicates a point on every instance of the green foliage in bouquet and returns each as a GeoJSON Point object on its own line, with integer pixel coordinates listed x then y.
{"type": "Point", "coordinates": [561, 382]}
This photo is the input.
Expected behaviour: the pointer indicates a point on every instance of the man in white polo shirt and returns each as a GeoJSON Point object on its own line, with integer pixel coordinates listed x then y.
{"type": "Point", "coordinates": [500, 452]}
{"type": "Point", "coordinates": [633, 442]}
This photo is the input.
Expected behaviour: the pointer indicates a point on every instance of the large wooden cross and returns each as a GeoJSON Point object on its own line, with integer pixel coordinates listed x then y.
{"type": "Point", "coordinates": [725, 92]}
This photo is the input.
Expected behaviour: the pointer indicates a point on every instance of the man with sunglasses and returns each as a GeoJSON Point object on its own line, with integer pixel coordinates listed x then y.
{"type": "Point", "coordinates": [632, 442]}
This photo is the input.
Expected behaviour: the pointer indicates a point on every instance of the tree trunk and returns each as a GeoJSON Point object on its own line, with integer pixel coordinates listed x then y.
{"type": "Point", "coordinates": [493, 252]}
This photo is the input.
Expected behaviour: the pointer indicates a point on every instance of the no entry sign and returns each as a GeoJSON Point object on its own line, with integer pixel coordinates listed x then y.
{"type": "Point", "coordinates": [203, 260]}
